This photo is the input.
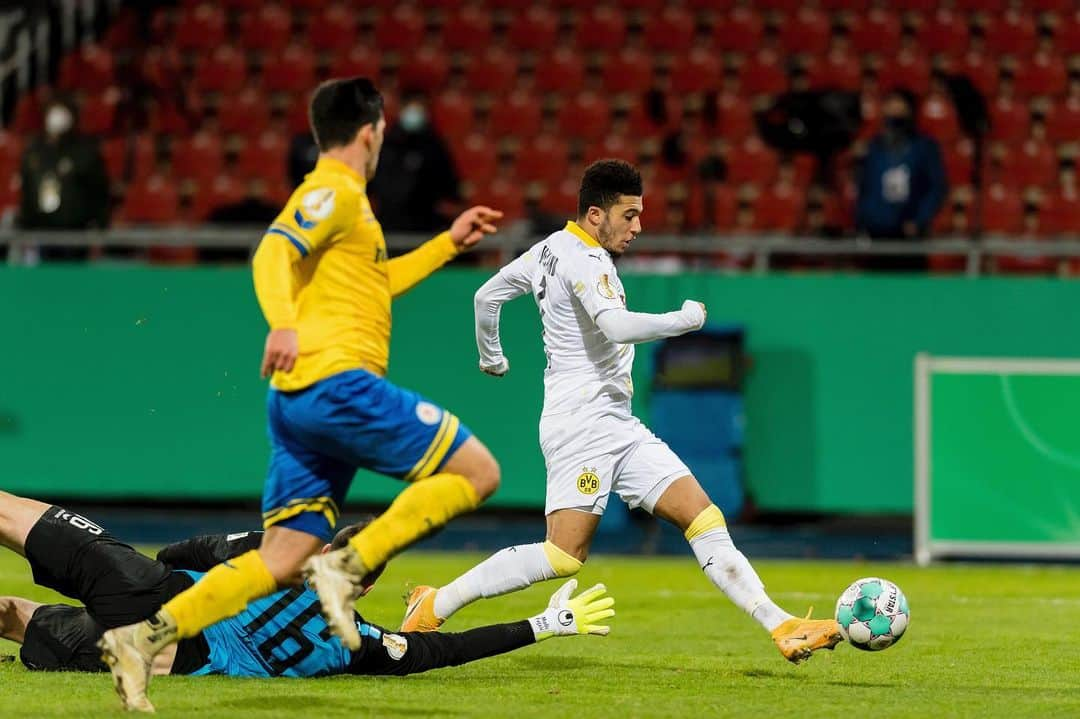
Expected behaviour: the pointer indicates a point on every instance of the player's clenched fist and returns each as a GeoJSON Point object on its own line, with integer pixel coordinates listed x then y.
{"type": "Point", "coordinates": [472, 224]}
{"type": "Point", "coordinates": [695, 312]}
{"type": "Point", "coordinates": [282, 347]}
{"type": "Point", "coordinates": [496, 370]}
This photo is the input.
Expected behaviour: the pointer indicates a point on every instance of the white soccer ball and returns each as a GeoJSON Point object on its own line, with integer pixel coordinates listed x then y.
{"type": "Point", "coordinates": [873, 614]}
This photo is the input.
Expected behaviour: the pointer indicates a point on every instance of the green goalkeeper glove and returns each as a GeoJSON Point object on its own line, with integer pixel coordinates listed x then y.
{"type": "Point", "coordinates": [567, 616]}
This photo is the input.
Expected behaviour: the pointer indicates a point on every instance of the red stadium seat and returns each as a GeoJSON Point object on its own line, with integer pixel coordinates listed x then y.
{"type": "Point", "coordinates": [871, 116]}
{"type": "Point", "coordinates": [587, 116]}
{"type": "Point", "coordinates": [908, 70]}
{"type": "Point", "coordinates": [1054, 6]}
{"type": "Point", "coordinates": [534, 28]}
{"type": "Point", "coordinates": [1063, 121]}
{"type": "Point", "coordinates": [243, 5]}
{"type": "Point", "coordinates": [1003, 212]}
{"type": "Point", "coordinates": [763, 75]}
{"type": "Point", "coordinates": [917, 6]}
{"type": "Point", "coordinates": [957, 158]}
{"type": "Point", "coordinates": [200, 28]}
{"type": "Point", "coordinates": [560, 198]}
{"type": "Point", "coordinates": [333, 29]}
{"type": "Point", "coordinates": [264, 157]}
{"type": "Point", "coordinates": [114, 154]}
{"type": "Point", "coordinates": [630, 70]}
{"type": "Point", "coordinates": [544, 158]}
{"type": "Point", "coordinates": [427, 68]}
{"type": "Point", "coordinates": [724, 206]}
{"type": "Point", "coordinates": [198, 157]}
{"type": "Point", "coordinates": [494, 71]}
{"type": "Point", "coordinates": [614, 146]}
{"type": "Point", "coordinates": [89, 68]}
{"type": "Point", "coordinates": [503, 195]}
{"type": "Point", "coordinates": [291, 70]}
{"type": "Point", "coordinates": [981, 70]}
{"type": "Point", "coordinates": [221, 191]}
{"type": "Point", "coordinates": [740, 30]}
{"type": "Point", "coordinates": [162, 69]}
{"type": "Point", "coordinates": [784, 6]}
{"type": "Point", "coordinates": [223, 70]}
{"type": "Point", "coordinates": [805, 32]}
{"type": "Point", "coordinates": [600, 28]}
{"type": "Point", "coordinates": [944, 33]}
{"type": "Point", "coordinates": [123, 31]}
{"type": "Point", "coordinates": [751, 162]}
{"type": "Point", "coordinates": [152, 200]}
{"type": "Point", "coordinates": [143, 156]}
{"type": "Point", "coordinates": [467, 29]}
{"type": "Point", "coordinates": [98, 112]}
{"type": "Point", "coordinates": [10, 192]}
{"type": "Point", "coordinates": [980, 6]}
{"type": "Point", "coordinates": [400, 30]}
{"type": "Point", "coordinates": [28, 119]}
{"type": "Point", "coordinates": [1043, 74]}
{"type": "Point", "coordinates": [476, 158]}
{"type": "Point", "coordinates": [1059, 212]}
{"type": "Point", "coordinates": [452, 114]}
{"type": "Point", "coordinates": [360, 60]}
{"type": "Point", "coordinates": [644, 125]}
{"type": "Point", "coordinates": [517, 115]}
{"type": "Point", "coordinates": [167, 117]}
{"type": "Point", "coordinates": [1009, 119]}
{"type": "Point", "coordinates": [838, 70]}
{"type": "Point", "coordinates": [672, 30]}
{"type": "Point", "coordinates": [244, 113]}
{"type": "Point", "coordinates": [11, 149]}
{"type": "Point", "coordinates": [1012, 33]}
{"type": "Point", "coordinates": [1067, 35]}
{"type": "Point", "coordinates": [876, 32]}
{"type": "Point", "coordinates": [699, 70]}
{"type": "Point", "coordinates": [779, 208]}
{"type": "Point", "coordinates": [562, 71]}
{"type": "Point", "coordinates": [734, 118]}
{"type": "Point", "coordinates": [269, 28]}
{"type": "Point", "coordinates": [855, 6]}
{"type": "Point", "coordinates": [1032, 165]}
{"type": "Point", "coordinates": [937, 118]}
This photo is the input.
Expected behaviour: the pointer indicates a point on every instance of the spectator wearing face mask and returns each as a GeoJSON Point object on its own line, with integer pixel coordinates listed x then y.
{"type": "Point", "coordinates": [903, 183]}
{"type": "Point", "coordinates": [64, 185]}
{"type": "Point", "coordinates": [416, 189]}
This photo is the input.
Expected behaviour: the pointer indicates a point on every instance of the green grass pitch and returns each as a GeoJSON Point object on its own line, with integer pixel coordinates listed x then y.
{"type": "Point", "coordinates": [983, 641]}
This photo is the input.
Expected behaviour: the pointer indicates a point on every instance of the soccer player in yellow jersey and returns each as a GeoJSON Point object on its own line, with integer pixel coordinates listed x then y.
{"type": "Point", "coordinates": [325, 284]}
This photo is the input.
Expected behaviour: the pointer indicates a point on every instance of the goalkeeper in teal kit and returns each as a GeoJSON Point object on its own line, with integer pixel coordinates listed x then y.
{"type": "Point", "coordinates": [281, 635]}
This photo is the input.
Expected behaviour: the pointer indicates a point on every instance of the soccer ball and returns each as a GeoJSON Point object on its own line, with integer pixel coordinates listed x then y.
{"type": "Point", "coordinates": [873, 614]}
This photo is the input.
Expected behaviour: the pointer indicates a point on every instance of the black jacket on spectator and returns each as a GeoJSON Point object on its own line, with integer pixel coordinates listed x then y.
{"type": "Point", "coordinates": [64, 185]}
{"type": "Point", "coordinates": [415, 175]}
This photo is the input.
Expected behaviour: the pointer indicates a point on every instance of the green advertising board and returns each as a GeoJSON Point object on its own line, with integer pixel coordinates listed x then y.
{"type": "Point", "coordinates": [997, 457]}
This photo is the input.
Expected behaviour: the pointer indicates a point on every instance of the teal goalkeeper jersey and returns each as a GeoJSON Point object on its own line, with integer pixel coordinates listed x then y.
{"type": "Point", "coordinates": [281, 635]}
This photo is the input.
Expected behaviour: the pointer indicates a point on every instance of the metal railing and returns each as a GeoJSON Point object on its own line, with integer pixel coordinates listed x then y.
{"type": "Point", "coordinates": [758, 251]}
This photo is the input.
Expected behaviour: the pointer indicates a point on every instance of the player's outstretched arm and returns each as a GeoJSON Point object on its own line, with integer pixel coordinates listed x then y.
{"type": "Point", "coordinates": [510, 282]}
{"type": "Point", "coordinates": [408, 270]}
{"type": "Point", "coordinates": [625, 327]}
{"type": "Point", "coordinates": [413, 652]}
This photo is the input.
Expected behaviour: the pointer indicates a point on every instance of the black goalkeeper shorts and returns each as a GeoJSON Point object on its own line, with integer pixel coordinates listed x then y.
{"type": "Point", "coordinates": [119, 586]}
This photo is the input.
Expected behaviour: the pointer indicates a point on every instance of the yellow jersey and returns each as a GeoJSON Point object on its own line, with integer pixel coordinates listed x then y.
{"type": "Point", "coordinates": [322, 269]}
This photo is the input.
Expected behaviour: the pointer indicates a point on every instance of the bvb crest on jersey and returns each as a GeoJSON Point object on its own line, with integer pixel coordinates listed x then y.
{"type": "Point", "coordinates": [604, 287]}
{"type": "Point", "coordinates": [588, 482]}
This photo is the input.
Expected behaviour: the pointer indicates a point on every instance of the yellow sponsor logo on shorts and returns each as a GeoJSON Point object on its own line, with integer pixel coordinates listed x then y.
{"type": "Point", "coordinates": [588, 482]}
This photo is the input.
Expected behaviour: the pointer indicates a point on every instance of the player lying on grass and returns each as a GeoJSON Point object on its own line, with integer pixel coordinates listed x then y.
{"type": "Point", "coordinates": [325, 283]}
{"type": "Point", "coordinates": [282, 635]}
{"type": "Point", "coordinates": [592, 444]}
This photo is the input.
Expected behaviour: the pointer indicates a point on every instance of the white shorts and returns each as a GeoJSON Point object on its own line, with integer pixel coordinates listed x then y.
{"type": "Point", "coordinates": [593, 451]}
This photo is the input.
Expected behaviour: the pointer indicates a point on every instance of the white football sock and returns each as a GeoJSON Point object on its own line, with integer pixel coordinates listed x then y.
{"type": "Point", "coordinates": [506, 571]}
{"type": "Point", "coordinates": [729, 570]}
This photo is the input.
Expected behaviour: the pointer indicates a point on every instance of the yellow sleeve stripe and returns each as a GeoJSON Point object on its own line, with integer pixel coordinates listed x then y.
{"type": "Point", "coordinates": [710, 518]}
{"type": "Point", "coordinates": [322, 505]}
{"type": "Point", "coordinates": [436, 451]}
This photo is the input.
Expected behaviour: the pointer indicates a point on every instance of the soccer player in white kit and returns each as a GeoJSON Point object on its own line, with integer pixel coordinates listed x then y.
{"type": "Point", "coordinates": [592, 444]}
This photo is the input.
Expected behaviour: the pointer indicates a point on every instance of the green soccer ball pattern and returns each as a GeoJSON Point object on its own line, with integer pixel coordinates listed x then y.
{"type": "Point", "coordinates": [873, 614]}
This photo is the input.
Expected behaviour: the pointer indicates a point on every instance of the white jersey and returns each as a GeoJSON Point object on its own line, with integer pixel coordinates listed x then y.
{"type": "Point", "coordinates": [574, 280]}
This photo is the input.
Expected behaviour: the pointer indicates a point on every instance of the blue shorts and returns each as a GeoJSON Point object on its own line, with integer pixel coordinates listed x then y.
{"type": "Point", "coordinates": [321, 435]}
